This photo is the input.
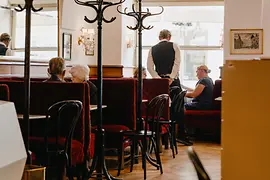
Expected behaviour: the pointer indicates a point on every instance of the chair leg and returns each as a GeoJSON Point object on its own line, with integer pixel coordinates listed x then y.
{"type": "Point", "coordinates": [132, 153]}
{"type": "Point", "coordinates": [172, 145]}
{"type": "Point", "coordinates": [144, 158]}
{"type": "Point", "coordinates": [157, 154]}
{"type": "Point", "coordinates": [120, 158]}
{"type": "Point", "coordinates": [174, 137]}
{"type": "Point", "coordinates": [62, 161]}
{"type": "Point", "coordinates": [166, 142]}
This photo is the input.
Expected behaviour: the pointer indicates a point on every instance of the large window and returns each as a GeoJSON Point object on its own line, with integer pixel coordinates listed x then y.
{"type": "Point", "coordinates": [198, 30]}
{"type": "Point", "coordinates": [44, 33]}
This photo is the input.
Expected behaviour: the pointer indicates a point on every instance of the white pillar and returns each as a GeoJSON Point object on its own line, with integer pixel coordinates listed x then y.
{"type": "Point", "coordinates": [115, 36]}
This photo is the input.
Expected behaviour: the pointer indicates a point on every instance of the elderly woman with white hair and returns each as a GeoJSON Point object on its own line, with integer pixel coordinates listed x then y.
{"type": "Point", "coordinates": [80, 73]}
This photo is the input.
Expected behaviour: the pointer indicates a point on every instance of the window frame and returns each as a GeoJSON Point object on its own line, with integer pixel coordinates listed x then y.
{"type": "Point", "coordinates": [148, 4]}
{"type": "Point", "coordinates": [13, 31]}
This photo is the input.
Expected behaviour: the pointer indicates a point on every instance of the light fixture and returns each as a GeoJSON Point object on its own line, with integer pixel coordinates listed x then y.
{"type": "Point", "coordinates": [87, 39]}
{"type": "Point", "coordinates": [129, 40]}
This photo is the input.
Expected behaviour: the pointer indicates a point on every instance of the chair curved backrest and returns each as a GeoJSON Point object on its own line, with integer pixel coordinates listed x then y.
{"type": "Point", "coordinates": [155, 110]}
{"type": "Point", "coordinates": [62, 118]}
{"type": "Point", "coordinates": [201, 172]}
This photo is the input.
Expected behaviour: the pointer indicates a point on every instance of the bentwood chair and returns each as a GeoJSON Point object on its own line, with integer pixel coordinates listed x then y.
{"type": "Point", "coordinates": [201, 172]}
{"type": "Point", "coordinates": [150, 132]}
{"type": "Point", "coordinates": [55, 150]}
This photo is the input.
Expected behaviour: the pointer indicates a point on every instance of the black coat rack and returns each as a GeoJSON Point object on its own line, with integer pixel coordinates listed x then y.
{"type": "Point", "coordinates": [98, 163]}
{"type": "Point", "coordinates": [140, 17]}
{"type": "Point", "coordinates": [26, 128]}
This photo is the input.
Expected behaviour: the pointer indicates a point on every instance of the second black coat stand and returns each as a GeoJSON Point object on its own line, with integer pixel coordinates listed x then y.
{"type": "Point", "coordinates": [140, 16]}
{"type": "Point", "coordinates": [98, 163]}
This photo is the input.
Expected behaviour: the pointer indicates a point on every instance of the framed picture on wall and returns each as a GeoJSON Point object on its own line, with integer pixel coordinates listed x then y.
{"type": "Point", "coordinates": [246, 41]}
{"type": "Point", "coordinates": [67, 46]}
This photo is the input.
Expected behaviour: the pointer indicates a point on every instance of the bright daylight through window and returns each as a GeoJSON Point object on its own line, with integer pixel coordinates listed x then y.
{"type": "Point", "coordinates": [199, 32]}
{"type": "Point", "coordinates": [43, 34]}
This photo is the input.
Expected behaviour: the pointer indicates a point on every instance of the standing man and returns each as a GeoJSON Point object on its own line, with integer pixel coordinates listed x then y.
{"type": "Point", "coordinates": [164, 59]}
{"type": "Point", "coordinates": [4, 42]}
{"type": "Point", "coordinates": [164, 62]}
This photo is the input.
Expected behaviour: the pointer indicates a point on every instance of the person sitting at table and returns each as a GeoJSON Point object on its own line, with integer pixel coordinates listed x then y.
{"type": "Point", "coordinates": [136, 72]}
{"type": "Point", "coordinates": [203, 92]}
{"type": "Point", "coordinates": [56, 70]}
{"type": "Point", "coordinates": [80, 73]}
{"type": "Point", "coordinates": [4, 43]}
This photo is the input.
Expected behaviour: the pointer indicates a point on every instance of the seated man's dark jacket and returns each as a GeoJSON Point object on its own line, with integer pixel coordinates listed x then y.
{"type": "Point", "coordinates": [3, 50]}
{"type": "Point", "coordinates": [53, 78]}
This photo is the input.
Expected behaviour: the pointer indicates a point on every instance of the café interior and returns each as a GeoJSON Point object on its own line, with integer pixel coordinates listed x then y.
{"type": "Point", "coordinates": [50, 130]}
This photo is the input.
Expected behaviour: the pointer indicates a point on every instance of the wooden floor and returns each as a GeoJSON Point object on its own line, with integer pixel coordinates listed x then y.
{"type": "Point", "coordinates": [181, 167]}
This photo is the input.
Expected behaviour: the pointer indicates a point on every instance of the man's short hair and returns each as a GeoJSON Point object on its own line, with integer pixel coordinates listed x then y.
{"type": "Point", "coordinates": [80, 71]}
{"type": "Point", "coordinates": [5, 37]}
{"type": "Point", "coordinates": [56, 65]}
{"type": "Point", "coordinates": [164, 34]}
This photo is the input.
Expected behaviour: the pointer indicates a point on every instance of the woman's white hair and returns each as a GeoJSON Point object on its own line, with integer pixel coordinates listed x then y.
{"type": "Point", "coordinates": [80, 71]}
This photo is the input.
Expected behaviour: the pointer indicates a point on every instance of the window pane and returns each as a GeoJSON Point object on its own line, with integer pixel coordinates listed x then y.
{"type": "Point", "coordinates": [43, 29]}
{"type": "Point", "coordinates": [191, 59]}
{"type": "Point", "coordinates": [189, 25]}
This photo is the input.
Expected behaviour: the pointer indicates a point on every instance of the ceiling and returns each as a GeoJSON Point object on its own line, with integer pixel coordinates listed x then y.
{"type": "Point", "coordinates": [35, 1]}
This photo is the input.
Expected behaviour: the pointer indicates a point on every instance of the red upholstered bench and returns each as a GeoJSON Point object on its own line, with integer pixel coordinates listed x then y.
{"type": "Point", "coordinates": [119, 95]}
{"type": "Point", "coordinates": [208, 121]}
{"type": "Point", "coordinates": [43, 95]}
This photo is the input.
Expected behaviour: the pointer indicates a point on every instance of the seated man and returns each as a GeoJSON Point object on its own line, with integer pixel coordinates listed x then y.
{"type": "Point", "coordinates": [203, 92]}
{"type": "Point", "coordinates": [4, 43]}
{"type": "Point", "coordinates": [56, 70]}
{"type": "Point", "coordinates": [80, 73]}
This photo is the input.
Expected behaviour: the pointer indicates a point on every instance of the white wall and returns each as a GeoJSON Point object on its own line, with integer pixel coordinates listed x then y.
{"type": "Point", "coordinates": [114, 49]}
{"type": "Point", "coordinates": [5, 18]}
{"type": "Point", "coordinates": [128, 54]}
{"type": "Point", "coordinates": [112, 38]}
{"type": "Point", "coordinates": [72, 20]}
{"type": "Point", "coordinates": [246, 14]}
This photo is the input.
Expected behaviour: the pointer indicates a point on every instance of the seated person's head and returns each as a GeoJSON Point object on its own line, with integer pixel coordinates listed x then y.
{"type": "Point", "coordinates": [57, 67]}
{"type": "Point", "coordinates": [136, 72]}
{"type": "Point", "coordinates": [202, 71]}
{"type": "Point", "coordinates": [79, 73]}
{"type": "Point", "coordinates": [5, 38]}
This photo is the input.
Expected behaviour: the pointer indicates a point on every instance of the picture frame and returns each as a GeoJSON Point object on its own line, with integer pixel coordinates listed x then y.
{"type": "Point", "coordinates": [90, 45]}
{"type": "Point", "coordinates": [66, 46]}
{"type": "Point", "coordinates": [246, 41]}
